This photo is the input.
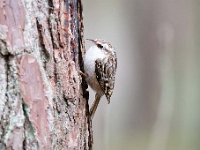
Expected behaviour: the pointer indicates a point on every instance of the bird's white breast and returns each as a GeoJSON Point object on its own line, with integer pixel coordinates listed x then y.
{"type": "Point", "coordinates": [92, 54]}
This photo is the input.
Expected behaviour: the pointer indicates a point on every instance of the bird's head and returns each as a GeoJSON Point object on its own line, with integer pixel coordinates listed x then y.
{"type": "Point", "coordinates": [101, 44]}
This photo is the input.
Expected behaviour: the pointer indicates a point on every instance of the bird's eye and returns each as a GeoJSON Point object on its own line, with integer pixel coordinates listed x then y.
{"type": "Point", "coordinates": [100, 46]}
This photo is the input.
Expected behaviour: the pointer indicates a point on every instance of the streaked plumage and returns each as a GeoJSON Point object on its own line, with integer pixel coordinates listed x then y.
{"type": "Point", "coordinates": [100, 64]}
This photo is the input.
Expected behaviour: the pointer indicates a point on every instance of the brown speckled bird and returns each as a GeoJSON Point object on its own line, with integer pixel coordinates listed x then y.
{"type": "Point", "coordinates": [100, 64]}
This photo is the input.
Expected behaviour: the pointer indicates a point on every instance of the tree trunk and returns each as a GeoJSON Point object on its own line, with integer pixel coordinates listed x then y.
{"type": "Point", "coordinates": [43, 98]}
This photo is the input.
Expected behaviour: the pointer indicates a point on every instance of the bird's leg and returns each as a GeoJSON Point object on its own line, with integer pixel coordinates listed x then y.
{"type": "Point", "coordinates": [83, 74]}
{"type": "Point", "coordinates": [95, 105]}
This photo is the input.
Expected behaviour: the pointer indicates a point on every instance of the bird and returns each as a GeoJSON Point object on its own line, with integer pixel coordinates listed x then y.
{"type": "Point", "coordinates": [100, 65]}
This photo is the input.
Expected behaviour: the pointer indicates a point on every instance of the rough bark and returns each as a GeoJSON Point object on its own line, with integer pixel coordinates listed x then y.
{"type": "Point", "coordinates": [43, 98]}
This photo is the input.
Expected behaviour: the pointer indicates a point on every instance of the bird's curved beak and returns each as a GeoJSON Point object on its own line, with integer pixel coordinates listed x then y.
{"type": "Point", "coordinates": [91, 40]}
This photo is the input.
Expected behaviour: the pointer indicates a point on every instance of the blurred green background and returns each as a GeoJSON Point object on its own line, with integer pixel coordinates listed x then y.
{"type": "Point", "coordinates": [155, 105]}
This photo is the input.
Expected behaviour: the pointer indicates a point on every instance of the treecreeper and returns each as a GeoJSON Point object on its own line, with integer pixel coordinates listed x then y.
{"type": "Point", "coordinates": [100, 64]}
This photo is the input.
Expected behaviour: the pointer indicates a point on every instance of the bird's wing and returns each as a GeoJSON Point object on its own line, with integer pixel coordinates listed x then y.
{"type": "Point", "coordinates": [105, 70]}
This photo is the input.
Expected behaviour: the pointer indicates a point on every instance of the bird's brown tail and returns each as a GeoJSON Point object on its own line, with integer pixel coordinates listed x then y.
{"type": "Point", "coordinates": [94, 105]}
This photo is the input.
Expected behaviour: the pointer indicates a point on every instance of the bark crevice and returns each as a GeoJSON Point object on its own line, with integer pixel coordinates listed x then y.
{"type": "Point", "coordinates": [45, 54]}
